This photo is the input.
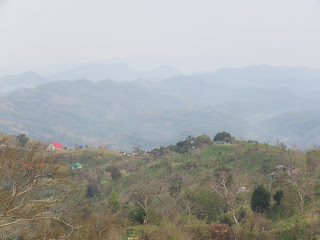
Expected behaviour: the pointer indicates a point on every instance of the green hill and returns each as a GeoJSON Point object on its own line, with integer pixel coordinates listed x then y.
{"type": "Point", "coordinates": [195, 189]}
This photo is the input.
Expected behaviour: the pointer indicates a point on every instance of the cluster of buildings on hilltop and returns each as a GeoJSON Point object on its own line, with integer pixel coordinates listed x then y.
{"type": "Point", "coordinates": [57, 146]}
{"type": "Point", "coordinates": [132, 153]}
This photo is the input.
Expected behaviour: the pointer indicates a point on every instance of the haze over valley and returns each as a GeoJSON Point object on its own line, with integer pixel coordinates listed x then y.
{"type": "Point", "coordinates": [149, 120]}
{"type": "Point", "coordinates": [94, 104]}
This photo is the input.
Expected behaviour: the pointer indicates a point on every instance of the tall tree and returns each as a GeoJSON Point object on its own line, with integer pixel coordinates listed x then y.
{"type": "Point", "coordinates": [114, 201]}
{"type": "Point", "coordinates": [144, 199]}
{"type": "Point", "coordinates": [260, 200]}
{"type": "Point", "coordinates": [229, 188]}
{"type": "Point", "coordinates": [223, 137]}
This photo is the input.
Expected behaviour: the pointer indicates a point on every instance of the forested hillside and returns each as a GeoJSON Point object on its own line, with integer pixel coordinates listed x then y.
{"type": "Point", "coordinates": [261, 102]}
{"type": "Point", "coordinates": [195, 189]}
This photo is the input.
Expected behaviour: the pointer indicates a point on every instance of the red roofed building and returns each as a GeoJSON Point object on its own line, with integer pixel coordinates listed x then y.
{"type": "Point", "coordinates": [55, 146]}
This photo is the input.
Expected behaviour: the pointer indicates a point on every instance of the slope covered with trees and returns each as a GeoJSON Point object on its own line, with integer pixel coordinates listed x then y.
{"type": "Point", "coordinates": [194, 189]}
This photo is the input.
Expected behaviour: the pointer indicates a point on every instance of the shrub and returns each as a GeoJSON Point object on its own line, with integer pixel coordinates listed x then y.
{"type": "Point", "coordinates": [226, 218]}
{"type": "Point", "coordinates": [137, 215]}
{"type": "Point", "coordinates": [114, 171]}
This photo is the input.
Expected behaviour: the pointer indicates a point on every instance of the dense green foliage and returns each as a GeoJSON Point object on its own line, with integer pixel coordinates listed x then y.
{"type": "Point", "coordinates": [114, 171]}
{"type": "Point", "coordinates": [260, 200]}
{"type": "Point", "coordinates": [278, 196]}
{"type": "Point", "coordinates": [223, 137]}
{"type": "Point", "coordinates": [114, 201]}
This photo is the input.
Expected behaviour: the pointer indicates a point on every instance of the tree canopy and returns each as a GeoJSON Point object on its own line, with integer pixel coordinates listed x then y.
{"type": "Point", "coordinates": [22, 140]}
{"type": "Point", "coordinates": [114, 171]}
{"type": "Point", "coordinates": [278, 196]}
{"type": "Point", "coordinates": [260, 200]}
{"type": "Point", "coordinates": [223, 137]}
{"type": "Point", "coordinates": [202, 140]}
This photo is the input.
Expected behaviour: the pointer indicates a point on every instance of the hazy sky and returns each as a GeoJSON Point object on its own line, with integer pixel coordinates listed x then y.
{"type": "Point", "coordinates": [233, 32]}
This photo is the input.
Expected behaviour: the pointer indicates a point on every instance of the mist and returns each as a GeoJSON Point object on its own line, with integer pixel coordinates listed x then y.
{"type": "Point", "coordinates": [178, 68]}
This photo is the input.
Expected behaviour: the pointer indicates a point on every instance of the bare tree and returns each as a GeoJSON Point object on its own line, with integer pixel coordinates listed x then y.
{"type": "Point", "coordinates": [299, 184]}
{"type": "Point", "coordinates": [32, 186]}
{"type": "Point", "coordinates": [299, 179]}
{"type": "Point", "coordinates": [145, 198]}
{"type": "Point", "coordinates": [229, 190]}
{"type": "Point", "coordinates": [191, 207]}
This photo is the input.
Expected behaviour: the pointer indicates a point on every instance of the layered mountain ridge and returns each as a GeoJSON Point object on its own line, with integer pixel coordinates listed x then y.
{"type": "Point", "coordinates": [259, 102]}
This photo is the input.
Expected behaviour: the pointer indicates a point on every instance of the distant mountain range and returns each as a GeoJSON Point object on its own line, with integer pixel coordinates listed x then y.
{"type": "Point", "coordinates": [91, 72]}
{"type": "Point", "coordinates": [115, 72]}
{"type": "Point", "coordinates": [258, 102]}
{"type": "Point", "coordinates": [11, 83]}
